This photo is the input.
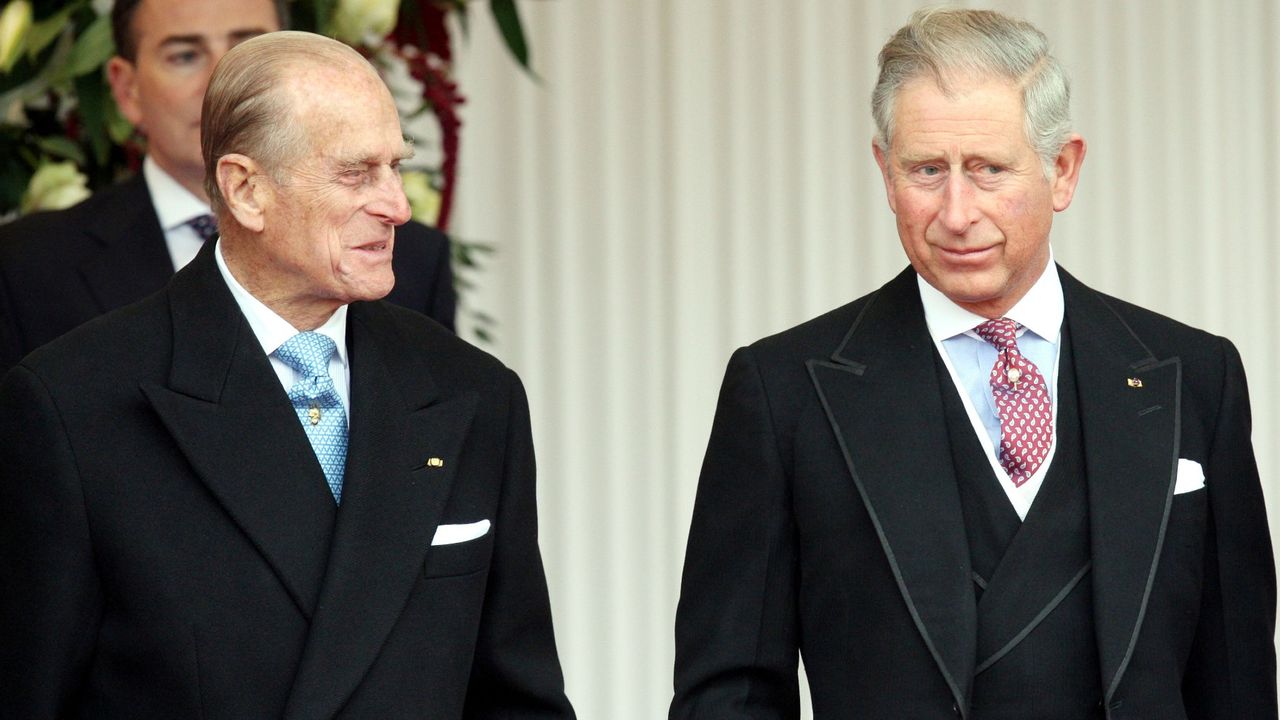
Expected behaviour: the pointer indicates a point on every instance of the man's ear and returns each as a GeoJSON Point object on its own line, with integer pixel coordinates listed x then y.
{"type": "Point", "coordinates": [122, 76]}
{"type": "Point", "coordinates": [244, 190]}
{"type": "Point", "coordinates": [1066, 171]}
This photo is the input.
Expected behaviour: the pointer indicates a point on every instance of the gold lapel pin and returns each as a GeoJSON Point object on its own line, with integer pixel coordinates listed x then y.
{"type": "Point", "coordinates": [313, 414]}
{"type": "Point", "coordinates": [435, 462]}
{"type": "Point", "coordinates": [1135, 382]}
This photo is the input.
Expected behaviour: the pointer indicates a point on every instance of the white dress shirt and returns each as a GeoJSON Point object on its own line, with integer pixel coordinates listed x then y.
{"type": "Point", "coordinates": [272, 331]}
{"type": "Point", "coordinates": [175, 206]}
{"type": "Point", "coordinates": [969, 359]}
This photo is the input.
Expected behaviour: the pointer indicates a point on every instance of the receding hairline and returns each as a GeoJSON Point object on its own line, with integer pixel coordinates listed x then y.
{"type": "Point", "coordinates": [250, 107]}
{"type": "Point", "coordinates": [284, 48]}
{"type": "Point", "coordinates": [295, 54]}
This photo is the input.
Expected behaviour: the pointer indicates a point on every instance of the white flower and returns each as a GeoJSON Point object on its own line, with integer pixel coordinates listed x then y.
{"type": "Point", "coordinates": [364, 22]}
{"type": "Point", "coordinates": [423, 199]}
{"type": "Point", "coordinates": [15, 23]}
{"type": "Point", "coordinates": [54, 186]}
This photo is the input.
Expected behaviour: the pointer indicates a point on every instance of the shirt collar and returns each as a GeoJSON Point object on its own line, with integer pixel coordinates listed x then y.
{"type": "Point", "coordinates": [271, 329]}
{"type": "Point", "coordinates": [174, 204]}
{"type": "Point", "coordinates": [1041, 310]}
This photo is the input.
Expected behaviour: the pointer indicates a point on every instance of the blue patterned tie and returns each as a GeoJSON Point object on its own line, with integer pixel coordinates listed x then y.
{"type": "Point", "coordinates": [316, 402]}
{"type": "Point", "coordinates": [206, 226]}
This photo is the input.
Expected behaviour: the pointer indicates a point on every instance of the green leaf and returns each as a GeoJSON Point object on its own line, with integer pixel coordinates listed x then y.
{"type": "Point", "coordinates": [118, 128]}
{"type": "Point", "coordinates": [45, 31]}
{"type": "Point", "coordinates": [324, 16]}
{"type": "Point", "coordinates": [93, 48]}
{"type": "Point", "coordinates": [13, 182]}
{"type": "Point", "coordinates": [62, 147]}
{"type": "Point", "coordinates": [508, 19]}
{"type": "Point", "coordinates": [92, 94]}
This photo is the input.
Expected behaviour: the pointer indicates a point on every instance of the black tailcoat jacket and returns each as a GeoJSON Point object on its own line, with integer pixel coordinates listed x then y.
{"type": "Point", "coordinates": [59, 269]}
{"type": "Point", "coordinates": [828, 525]}
{"type": "Point", "coordinates": [169, 547]}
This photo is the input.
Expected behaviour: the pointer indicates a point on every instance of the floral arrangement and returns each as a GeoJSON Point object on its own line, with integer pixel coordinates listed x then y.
{"type": "Point", "coordinates": [62, 137]}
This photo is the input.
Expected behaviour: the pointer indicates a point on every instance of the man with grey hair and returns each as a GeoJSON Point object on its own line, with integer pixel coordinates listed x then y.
{"type": "Point", "coordinates": [59, 269]}
{"type": "Point", "coordinates": [264, 492]}
{"type": "Point", "coordinates": [984, 490]}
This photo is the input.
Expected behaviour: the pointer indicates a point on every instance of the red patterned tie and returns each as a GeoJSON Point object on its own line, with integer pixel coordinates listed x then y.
{"type": "Point", "coordinates": [1022, 402]}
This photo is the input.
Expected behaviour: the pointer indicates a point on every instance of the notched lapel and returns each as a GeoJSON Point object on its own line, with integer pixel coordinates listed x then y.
{"type": "Point", "coordinates": [882, 398]}
{"type": "Point", "coordinates": [1131, 440]}
{"type": "Point", "coordinates": [134, 259]}
{"type": "Point", "coordinates": [391, 504]}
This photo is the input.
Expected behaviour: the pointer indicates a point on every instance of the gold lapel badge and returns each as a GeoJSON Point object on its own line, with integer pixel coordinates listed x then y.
{"type": "Point", "coordinates": [435, 462]}
{"type": "Point", "coordinates": [1135, 382]}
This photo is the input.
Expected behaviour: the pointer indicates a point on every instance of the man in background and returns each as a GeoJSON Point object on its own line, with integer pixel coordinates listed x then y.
{"type": "Point", "coordinates": [263, 492]}
{"type": "Point", "coordinates": [59, 269]}
{"type": "Point", "coordinates": [985, 490]}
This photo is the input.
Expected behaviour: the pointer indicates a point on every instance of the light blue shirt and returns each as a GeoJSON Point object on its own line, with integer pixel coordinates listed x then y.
{"type": "Point", "coordinates": [969, 359]}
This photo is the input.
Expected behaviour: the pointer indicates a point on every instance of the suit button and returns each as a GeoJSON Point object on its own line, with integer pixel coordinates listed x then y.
{"type": "Point", "coordinates": [955, 708]}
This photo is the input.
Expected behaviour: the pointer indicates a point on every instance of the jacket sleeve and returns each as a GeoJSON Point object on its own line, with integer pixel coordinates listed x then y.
{"type": "Point", "coordinates": [516, 671]}
{"type": "Point", "coordinates": [736, 624]}
{"type": "Point", "coordinates": [1232, 671]}
{"type": "Point", "coordinates": [50, 601]}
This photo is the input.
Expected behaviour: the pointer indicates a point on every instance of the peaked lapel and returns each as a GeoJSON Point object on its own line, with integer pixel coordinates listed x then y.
{"type": "Point", "coordinates": [133, 260]}
{"type": "Point", "coordinates": [1131, 444]}
{"type": "Point", "coordinates": [881, 395]}
{"type": "Point", "coordinates": [226, 410]}
{"type": "Point", "coordinates": [392, 502]}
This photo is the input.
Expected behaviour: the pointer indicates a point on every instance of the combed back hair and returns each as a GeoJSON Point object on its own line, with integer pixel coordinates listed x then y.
{"type": "Point", "coordinates": [950, 44]}
{"type": "Point", "coordinates": [122, 12]}
{"type": "Point", "coordinates": [247, 111]}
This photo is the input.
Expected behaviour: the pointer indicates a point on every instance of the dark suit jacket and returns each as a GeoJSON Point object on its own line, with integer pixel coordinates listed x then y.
{"type": "Point", "coordinates": [59, 269]}
{"type": "Point", "coordinates": [169, 547]}
{"type": "Point", "coordinates": [828, 523]}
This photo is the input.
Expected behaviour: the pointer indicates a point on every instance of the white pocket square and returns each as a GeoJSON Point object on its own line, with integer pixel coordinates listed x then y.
{"type": "Point", "coordinates": [450, 534]}
{"type": "Point", "coordinates": [1190, 477]}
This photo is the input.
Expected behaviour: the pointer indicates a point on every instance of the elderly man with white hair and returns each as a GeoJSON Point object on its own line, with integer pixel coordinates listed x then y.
{"type": "Point", "coordinates": [264, 492]}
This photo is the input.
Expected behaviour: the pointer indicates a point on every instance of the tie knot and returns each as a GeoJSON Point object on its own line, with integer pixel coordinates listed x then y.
{"type": "Point", "coordinates": [308, 353]}
{"type": "Point", "coordinates": [1001, 332]}
{"type": "Point", "coordinates": [206, 226]}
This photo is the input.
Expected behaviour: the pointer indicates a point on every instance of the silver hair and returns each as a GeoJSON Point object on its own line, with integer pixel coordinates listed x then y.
{"type": "Point", "coordinates": [247, 108]}
{"type": "Point", "coordinates": [947, 44]}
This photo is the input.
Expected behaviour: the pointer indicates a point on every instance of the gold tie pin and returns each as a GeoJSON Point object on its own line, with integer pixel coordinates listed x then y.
{"type": "Point", "coordinates": [313, 414]}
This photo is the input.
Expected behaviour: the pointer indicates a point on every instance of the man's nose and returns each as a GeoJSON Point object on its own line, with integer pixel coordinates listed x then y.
{"type": "Point", "coordinates": [959, 204]}
{"type": "Point", "coordinates": [391, 205]}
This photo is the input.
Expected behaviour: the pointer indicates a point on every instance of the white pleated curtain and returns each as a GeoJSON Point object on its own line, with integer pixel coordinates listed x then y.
{"type": "Point", "coordinates": [689, 175]}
